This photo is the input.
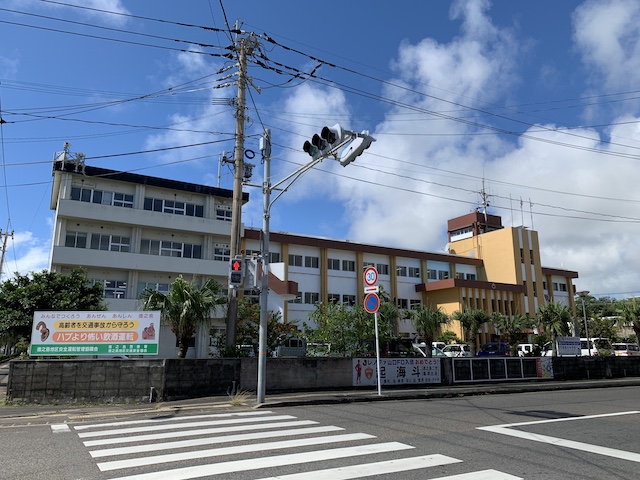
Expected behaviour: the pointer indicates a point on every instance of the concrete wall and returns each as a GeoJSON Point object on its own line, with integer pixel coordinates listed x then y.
{"type": "Point", "coordinates": [71, 381]}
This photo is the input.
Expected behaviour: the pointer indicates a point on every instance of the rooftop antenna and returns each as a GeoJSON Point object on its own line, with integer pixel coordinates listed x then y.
{"type": "Point", "coordinates": [485, 200]}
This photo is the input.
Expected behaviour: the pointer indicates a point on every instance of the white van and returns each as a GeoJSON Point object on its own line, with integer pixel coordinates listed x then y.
{"type": "Point", "coordinates": [595, 347]}
{"type": "Point", "coordinates": [525, 349]}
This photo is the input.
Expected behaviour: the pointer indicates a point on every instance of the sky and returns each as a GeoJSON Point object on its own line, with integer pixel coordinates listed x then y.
{"type": "Point", "coordinates": [534, 103]}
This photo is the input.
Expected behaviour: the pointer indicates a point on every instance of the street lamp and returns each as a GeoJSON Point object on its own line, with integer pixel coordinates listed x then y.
{"type": "Point", "coordinates": [322, 146]}
{"type": "Point", "coordinates": [582, 296]}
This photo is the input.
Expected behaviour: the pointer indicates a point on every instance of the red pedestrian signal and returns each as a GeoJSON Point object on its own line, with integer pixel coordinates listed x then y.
{"type": "Point", "coordinates": [236, 272]}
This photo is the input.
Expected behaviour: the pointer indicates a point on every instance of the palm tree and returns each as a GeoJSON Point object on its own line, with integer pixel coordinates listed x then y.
{"type": "Point", "coordinates": [472, 321]}
{"type": "Point", "coordinates": [630, 313]}
{"type": "Point", "coordinates": [428, 322]}
{"type": "Point", "coordinates": [556, 319]}
{"type": "Point", "coordinates": [185, 307]}
{"type": "Point", "coordinates": [510, 327]}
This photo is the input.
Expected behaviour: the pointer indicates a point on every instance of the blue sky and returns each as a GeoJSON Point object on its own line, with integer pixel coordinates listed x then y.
{"type": "Point", "coordinates": [538, 98]}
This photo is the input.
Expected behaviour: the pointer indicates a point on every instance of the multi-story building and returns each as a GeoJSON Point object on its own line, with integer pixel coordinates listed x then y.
{"type": "Point", "coordinates": [132, 232]}
{"type": "Point", "coordinates": [488, 267]}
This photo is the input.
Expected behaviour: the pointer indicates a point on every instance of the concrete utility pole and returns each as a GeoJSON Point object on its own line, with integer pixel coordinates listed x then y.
{"type": "Point", "coordinates": [245, 47]}
{"type": "Point", "coordinates": [4, 248]}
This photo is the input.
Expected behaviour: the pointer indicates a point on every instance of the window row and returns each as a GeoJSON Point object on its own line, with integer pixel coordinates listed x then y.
{"type": "Point", "coordinates": [166, 248]}
{"type": "Point", "coordinates": [172, 206]}
{"type": "Point", "coordinates": [95, 241]}
{"type": "Point", "coordinates": [118, 243]}
{"type": "Point", "coordinates": [102, 197]}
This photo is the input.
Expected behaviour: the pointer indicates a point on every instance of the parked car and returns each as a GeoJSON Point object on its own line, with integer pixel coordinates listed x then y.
{"type": "Point", "coordinates": [435, 351]}
{"type": "Point", "coordinates": [626, 349]}
{"type": "Point", "coordinates": [525, 349]}
{"type": "Point", "coordinates": [457, 350]}
{"type": "Point", "coordinates": [494, 349]}
{"type": "Point", "coordinates": [596, 347]}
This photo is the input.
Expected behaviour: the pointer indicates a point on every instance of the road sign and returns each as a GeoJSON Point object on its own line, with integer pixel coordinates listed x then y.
{"type": "Point", "coordinates": [370, 276]}
{"type": "Point", "coordinates": [372, 289]}
{"type": "Point", "coordinates": [371, 303]}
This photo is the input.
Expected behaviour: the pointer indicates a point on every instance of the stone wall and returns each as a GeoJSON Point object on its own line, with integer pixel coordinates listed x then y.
{"type": "Point", "coordinates": [71, 381]}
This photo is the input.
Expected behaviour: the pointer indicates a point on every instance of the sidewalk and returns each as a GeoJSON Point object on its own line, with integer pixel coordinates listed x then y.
{"type": "Point", "coordinates": [278, 400]}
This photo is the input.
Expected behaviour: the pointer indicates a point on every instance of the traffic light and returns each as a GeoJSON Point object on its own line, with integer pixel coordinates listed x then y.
{"type": "Point", "coordinates": [334, 136]}
{"type": "Point", "coordinates": [329, 138]}
{"type": "Point", "coordinates": [359, 145]}
{"type": "Point", "coordinates": [315, 147]}
{"type": "Point", "coordinates": [236, 271]}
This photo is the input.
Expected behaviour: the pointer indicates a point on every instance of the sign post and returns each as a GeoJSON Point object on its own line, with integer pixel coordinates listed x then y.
{"type": "Point", "coordinates": [371, 305]}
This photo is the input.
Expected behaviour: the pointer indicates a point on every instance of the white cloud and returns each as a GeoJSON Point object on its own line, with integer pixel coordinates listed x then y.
{"type": "Point", "coordinates": [25, 253]}
{"type": "Point", "coordinates": [607, 34]}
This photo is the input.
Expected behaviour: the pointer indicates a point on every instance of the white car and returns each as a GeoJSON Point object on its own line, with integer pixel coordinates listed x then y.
{"type": "Point", "coordinates": [456, 350]}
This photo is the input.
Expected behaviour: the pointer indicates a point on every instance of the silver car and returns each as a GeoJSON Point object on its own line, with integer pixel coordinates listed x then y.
{"type": "Point", "coordinates": [456, 350]}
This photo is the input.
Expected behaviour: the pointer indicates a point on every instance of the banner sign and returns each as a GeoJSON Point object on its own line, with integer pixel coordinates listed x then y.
{"type": "Point", "coordinates": [396, 371]}
{"type": "Point", "coordinates": [95, 333]}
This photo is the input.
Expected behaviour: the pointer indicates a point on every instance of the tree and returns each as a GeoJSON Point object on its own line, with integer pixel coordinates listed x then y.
{"type": "Point", "coordinates": [278, 331]}
{"type": "Point", "coordinates": [472, 321]}
{"type": "Point", "coordinates": [349, 330]}
{"type": "Point", "coordinates": [630, 315]}
{"type": "Point", "coordinates": [556, 320]}
{"type": "Point", "coordinates": [185, 307]}
{"type": "Point", "coordinates": [428, 322]}
{"type": "Point", "coordinates": [511, 327]}
{"type": "Point", "coordinates": [23, 295]}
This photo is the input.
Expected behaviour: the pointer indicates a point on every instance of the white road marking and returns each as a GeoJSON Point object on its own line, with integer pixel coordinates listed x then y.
{"type": "Point", "coordinates": [170, 419]}
{"type": "Point", "coordinates": [200, 471]}
{"type": "Point", "coordinates": [60, 428]}
{"type": "Point", "coordinates": [238, 449]}
{"type": "Point", "coordinates": [243, 437]}
{"type": "Point", "coordinates": [481, 475]}
{"type": "Point", "coordinates": [193, 433]}
{"type": "Point", "coordinates": [182, 425]}
{"type": "Point", "coordinates": [371, 469]}
{"type": "Point", "coordinates": [506, 429]}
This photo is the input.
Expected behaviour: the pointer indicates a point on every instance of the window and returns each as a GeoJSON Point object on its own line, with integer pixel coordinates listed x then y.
{"type": "Point", "coordinates": [531, 256]}
{"type": "Point", "coordinates": [544, 285]}
{"type": "Point", "coordinates": [414, 272]}
{"type": "Point", "coordinates": [222, 252]}
{"type": "Point", "coordinates": [432, 274]}
{"type": "Point", "coordinates": [114, 243]}
{"type": "Point", "coordinates": [521, 255]}
{"type": "Point", "coordinates": [122, 200]}
{"type": "Point", "coordinates": [413, 304]}
{"type": "Point", "coordinates": [555, 286]}
{"type": "Point", "coordinates": [311, 298]}
{"type": "Point", "coordinates": [443, 274]}
{"type": "Point", "coordinates": [333, 264]}
{"type": "Point", "coordinates": [401, 271]}
{"type": "Point", "coordinates": [171, 206]}
{"type": "Point", "coordinates": [367, 264]}
{"type": "Point", "coordinates": [167, 248]}
{"type": "Point", "coordinates": [382, 269]}
{"type": "Point", "coordinates": [298, 299]}
{"type": "Point", "coordinates": [471, 276]}
{"type": "Point", "coordinates": [76, 240]}
{"type": "Point", "coordinates": [563, 287]}
{"type": "Point", "coordinates": [274, 257]}
{"type": "Point", "coordinates": [348, 265]}
{"type": "Point", "coordinates": [311, 262]}
{"type": "Point", "coordinates": [349, 300]}
{"type": "Point", "coordinates": [295, 260]}
{"type": "Point", "coordinates": [535, 290]}
{"type": "Point", "coordinates": [459, 275]}
{"type": "Point", "coordinates": [113, 288]}
{"type": "Point", "coordinates": [102, 197]}
{"type": "Point", "coordinates": [333, 298]}
{"type": "Point", "coordinates": [158, 287]}
{"type": "Point", "coordinates": [402, 303]}
{"type": "Point", "coordinates": [223, 212]}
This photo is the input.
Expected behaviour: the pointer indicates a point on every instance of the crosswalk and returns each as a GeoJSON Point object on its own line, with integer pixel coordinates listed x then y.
{"type": "Point", "coordinates": [251, 443]}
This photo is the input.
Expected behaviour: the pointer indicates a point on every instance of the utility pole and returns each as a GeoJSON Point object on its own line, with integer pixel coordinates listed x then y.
{"type": "Point", "coordinates": [4, 248]}
{"type": "Point", "coordinates": [245, 47]}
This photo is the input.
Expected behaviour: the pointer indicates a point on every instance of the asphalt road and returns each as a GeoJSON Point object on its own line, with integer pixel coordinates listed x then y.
{"type": "Point", "coordinates": [568, 434]}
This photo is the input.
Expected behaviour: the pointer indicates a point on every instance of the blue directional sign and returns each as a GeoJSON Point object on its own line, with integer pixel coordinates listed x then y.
{"type": "Point", "coordinates": [371, 302]}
